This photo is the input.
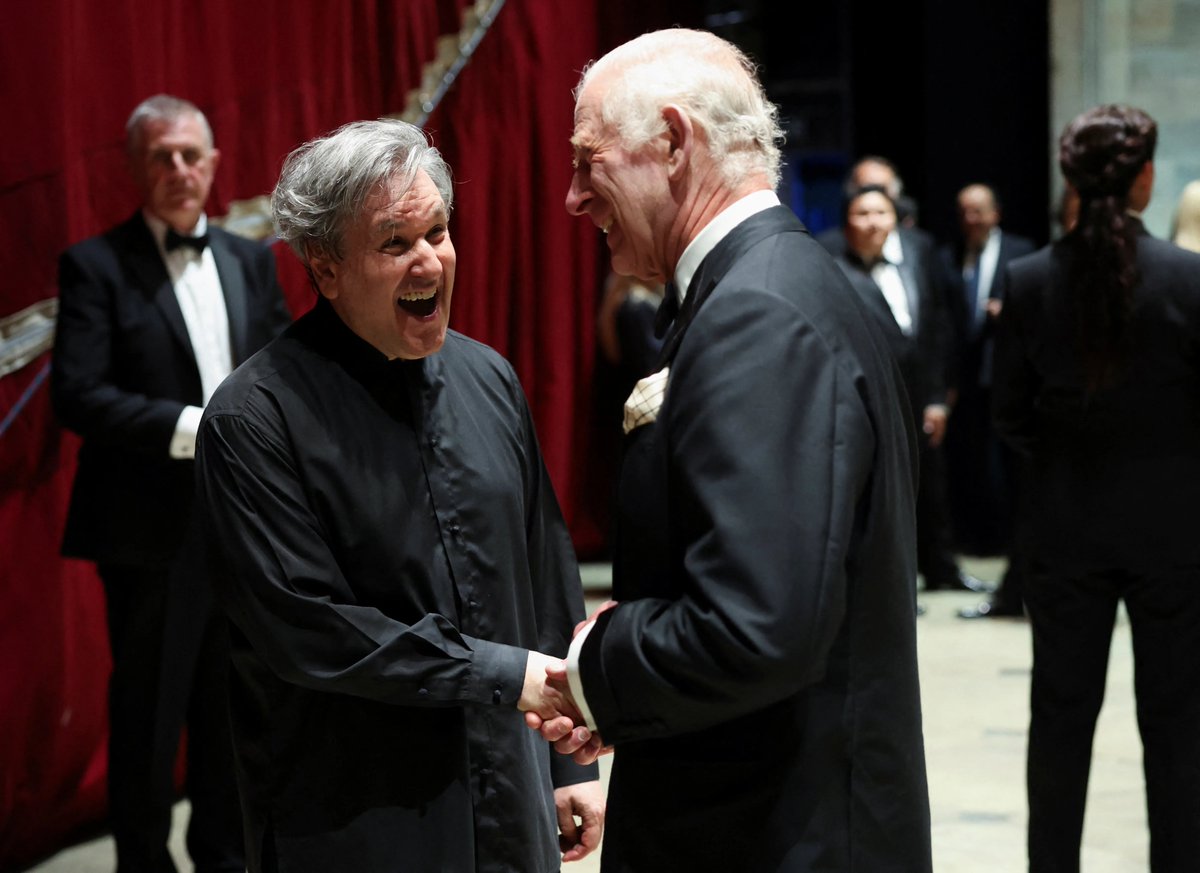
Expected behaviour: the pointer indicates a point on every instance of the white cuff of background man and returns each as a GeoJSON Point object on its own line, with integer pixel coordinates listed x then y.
{"type": "Point", "coordinates": [183, 443]}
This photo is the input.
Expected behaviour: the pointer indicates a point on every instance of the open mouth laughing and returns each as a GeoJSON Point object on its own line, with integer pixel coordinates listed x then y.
{"type": "Point", "coordinates": [421, 304]}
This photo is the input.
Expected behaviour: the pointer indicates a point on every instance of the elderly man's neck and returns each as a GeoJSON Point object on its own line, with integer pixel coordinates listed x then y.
{"type": "Point", "coordinates": [708, 201]}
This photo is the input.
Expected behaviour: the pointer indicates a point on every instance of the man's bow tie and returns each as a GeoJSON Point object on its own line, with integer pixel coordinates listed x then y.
{"type": "Point", "coordinates": [178, 240]}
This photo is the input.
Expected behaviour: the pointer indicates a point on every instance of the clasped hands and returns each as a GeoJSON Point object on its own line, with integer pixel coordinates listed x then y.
{"type": "Point", "coordinates": [551, 710]}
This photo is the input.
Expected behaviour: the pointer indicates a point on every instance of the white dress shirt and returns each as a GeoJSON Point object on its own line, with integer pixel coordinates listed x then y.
{"type": "Point", "coordinates": [985, 269]}
{"type": "Point", "coordinates": [202, 302]}
{"type": "Point", "coordinates": [887, 276]}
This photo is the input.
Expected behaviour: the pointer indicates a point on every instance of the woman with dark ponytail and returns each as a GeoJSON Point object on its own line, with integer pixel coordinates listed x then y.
{"type": "Point", "coordinates": [1097, 380]}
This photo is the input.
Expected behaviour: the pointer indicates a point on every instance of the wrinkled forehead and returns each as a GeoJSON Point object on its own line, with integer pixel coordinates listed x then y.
{"type": "Point", "coordinates": [978, 199]}
{"type": "Point", "coordinates": [874, 173]}
{"type": "Point", "coordinates": [871, 202]}
{"type": "Point", "coordinates": [182, 130]}
{"type": "Point", "coordinates": [400, 199]}
{"type": "Point", "coordinates": [587, 105]}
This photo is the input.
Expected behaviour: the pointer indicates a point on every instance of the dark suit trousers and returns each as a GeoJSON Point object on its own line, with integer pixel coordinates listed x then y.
{"type": "Point", "coordinates": [165, 671]}
{"type": "Point", "coordinates": [935, 554]}
{"type": "Point", "coordinates": [980, 477]}
{"type": "Point", "coordinates": [1072, 620]}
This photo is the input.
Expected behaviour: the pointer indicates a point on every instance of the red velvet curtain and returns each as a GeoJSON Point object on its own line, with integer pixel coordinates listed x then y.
{"type": "Point", "coordinates": [269, 75]}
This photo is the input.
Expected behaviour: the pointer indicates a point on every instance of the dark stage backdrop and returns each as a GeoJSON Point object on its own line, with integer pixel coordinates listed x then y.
{"type": "Point", "coordinates": [957, 93]}
{"type": "Point", "coordinates": [269, 75]}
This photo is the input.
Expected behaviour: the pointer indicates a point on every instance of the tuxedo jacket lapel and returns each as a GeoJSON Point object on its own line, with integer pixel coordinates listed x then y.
{"type": "Point", "coordinates": [872, 295]}
{"type": "Point", "coordinates": [769, 222]}
{"type": "Point", "coordinates": [908, 275]}
{"type": "Point", "coordinates": [149, 274]}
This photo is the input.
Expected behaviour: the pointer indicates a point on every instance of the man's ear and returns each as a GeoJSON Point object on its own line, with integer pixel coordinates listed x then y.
{"type": "Point", "coordinates": [323, 270]}
{"type": "Point", "coordinates": [681, 139]}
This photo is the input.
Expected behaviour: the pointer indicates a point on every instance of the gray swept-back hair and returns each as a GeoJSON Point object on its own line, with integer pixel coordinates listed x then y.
{"type": "Point", "coordinates": [325, 182]}
{"type": "Point", "coordinates": [712, 80]}
{"type": "Point", "coordinates": [160, 107]}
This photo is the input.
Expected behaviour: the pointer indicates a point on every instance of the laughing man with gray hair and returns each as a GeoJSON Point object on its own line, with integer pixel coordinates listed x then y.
{"type": "Point", "coordinates": [390, 551]}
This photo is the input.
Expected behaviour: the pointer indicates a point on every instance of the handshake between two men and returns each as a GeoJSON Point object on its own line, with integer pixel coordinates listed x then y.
{"type": "Point", "coordinates": [550, 706]}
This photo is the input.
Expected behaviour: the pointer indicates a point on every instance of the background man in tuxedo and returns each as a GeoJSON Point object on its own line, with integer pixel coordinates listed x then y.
{"type": "Point", "coordinates": [982, 473]}
{"type": "Point", "coordinates": [912, 252]}
{"type": "Point", "coordinates": [765, 564]}
{"type": "Point", "coordinates": [153, 314]}
{"type": "Point", "coordinates": [899, 289]}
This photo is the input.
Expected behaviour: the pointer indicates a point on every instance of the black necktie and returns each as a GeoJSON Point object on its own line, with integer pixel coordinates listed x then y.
{"type": "Point", "coordinates": [178, 240]}
{"type": "Point", "coordinates": [971, 289]}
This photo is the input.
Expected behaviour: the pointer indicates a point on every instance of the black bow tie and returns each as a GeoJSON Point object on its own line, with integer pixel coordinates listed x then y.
{"type": "Point", "coordinates": [178, 240]}
{"type": "Point", "coordinates": [667, 310]}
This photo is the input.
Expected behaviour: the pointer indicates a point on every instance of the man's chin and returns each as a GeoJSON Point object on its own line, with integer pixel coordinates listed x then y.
{"type": "Point", "coordinates": [182, 217]}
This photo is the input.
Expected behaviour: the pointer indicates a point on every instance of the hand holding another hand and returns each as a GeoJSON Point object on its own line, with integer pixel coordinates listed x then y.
{"type": "Point", "coordinates": [541, 697]}
{"type": "Point", "coordinates": [569, 736]}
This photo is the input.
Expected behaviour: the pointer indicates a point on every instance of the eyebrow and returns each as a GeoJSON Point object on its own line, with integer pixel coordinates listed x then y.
{"type": "Point", "coordinates": [389, 225]}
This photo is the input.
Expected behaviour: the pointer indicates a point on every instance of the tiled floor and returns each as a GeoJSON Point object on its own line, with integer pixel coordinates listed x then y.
{"type": "Point", "coordinates": [975, 677]}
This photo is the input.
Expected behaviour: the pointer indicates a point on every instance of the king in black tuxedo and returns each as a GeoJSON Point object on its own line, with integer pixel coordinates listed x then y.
{"type": "Point", "coordinates": [147, 327]}
{"type": "Point", "coordinates": [758, 670]}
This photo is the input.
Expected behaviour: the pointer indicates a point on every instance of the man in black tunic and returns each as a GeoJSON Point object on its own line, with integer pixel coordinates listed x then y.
{"type": "Point", "coordinates": [387, 544]}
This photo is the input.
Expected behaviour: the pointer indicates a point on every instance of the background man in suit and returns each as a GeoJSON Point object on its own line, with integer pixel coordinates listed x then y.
{"type": "Point", "coordinates": [153, 314]}
{"type": "Point", "coordinates": [912, 251]}
{"type": "Point", "coordinates": [900, 291]}
{"type": "Point", "coordinates": [982, 473]}
{"type": "Point", "coordinates": [879, 171]}
{"type": "Point", "coordinates": [764, 570]}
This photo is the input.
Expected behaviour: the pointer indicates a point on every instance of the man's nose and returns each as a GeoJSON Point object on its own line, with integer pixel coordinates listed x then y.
{"type": "Point", "coordinates": [426, 263]}
{"type": "Point", "coordinates": [577, 196]}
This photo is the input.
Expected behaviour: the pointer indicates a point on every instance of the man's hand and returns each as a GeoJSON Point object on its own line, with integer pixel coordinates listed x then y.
{"type": "Point", "coordinates": [547, 703]}
{"type": "Point", "coordinates": [561, 722]}
{"type": "Point", "coordinates": [935, 423]}
{"type": "Point", "coordinates": [568, 736]}
{"type": "Point", "coordinates": [585, 800]}
{"type": "Point", "coordinates": [603, 607]}
{"type": "Point", "coordinates": [545, 700]}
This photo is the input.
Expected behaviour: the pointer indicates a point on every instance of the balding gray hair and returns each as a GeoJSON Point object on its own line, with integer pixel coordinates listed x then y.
{"type": "Point", "coordinates": [160, 107]}
{"type": "Point", "coordinates": [712, 80]}
{"type": "Point", "coordinates": [325, 182]}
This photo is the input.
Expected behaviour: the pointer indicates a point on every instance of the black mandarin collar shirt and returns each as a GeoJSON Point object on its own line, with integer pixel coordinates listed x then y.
{"type": "Point", "coordinates": [388, 546]}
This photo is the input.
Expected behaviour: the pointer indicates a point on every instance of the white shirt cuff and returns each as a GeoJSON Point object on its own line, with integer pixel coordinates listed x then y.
{"type": "Point", "coordinates": [574, 680]}
{"type": "Point", "coordinates": [183, 443]}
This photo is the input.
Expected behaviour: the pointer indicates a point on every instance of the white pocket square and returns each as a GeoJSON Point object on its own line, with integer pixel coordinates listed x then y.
{"type": "Point", "coordinates": [645, 401]}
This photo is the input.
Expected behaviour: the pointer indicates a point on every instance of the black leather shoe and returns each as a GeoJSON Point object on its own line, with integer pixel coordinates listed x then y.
{"type": "Point", "coordinates": [961, 582]}
{"type": "Point", "coordinates": [987, 609]}
{"type": "Point", "coordinates": [970, 583]}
